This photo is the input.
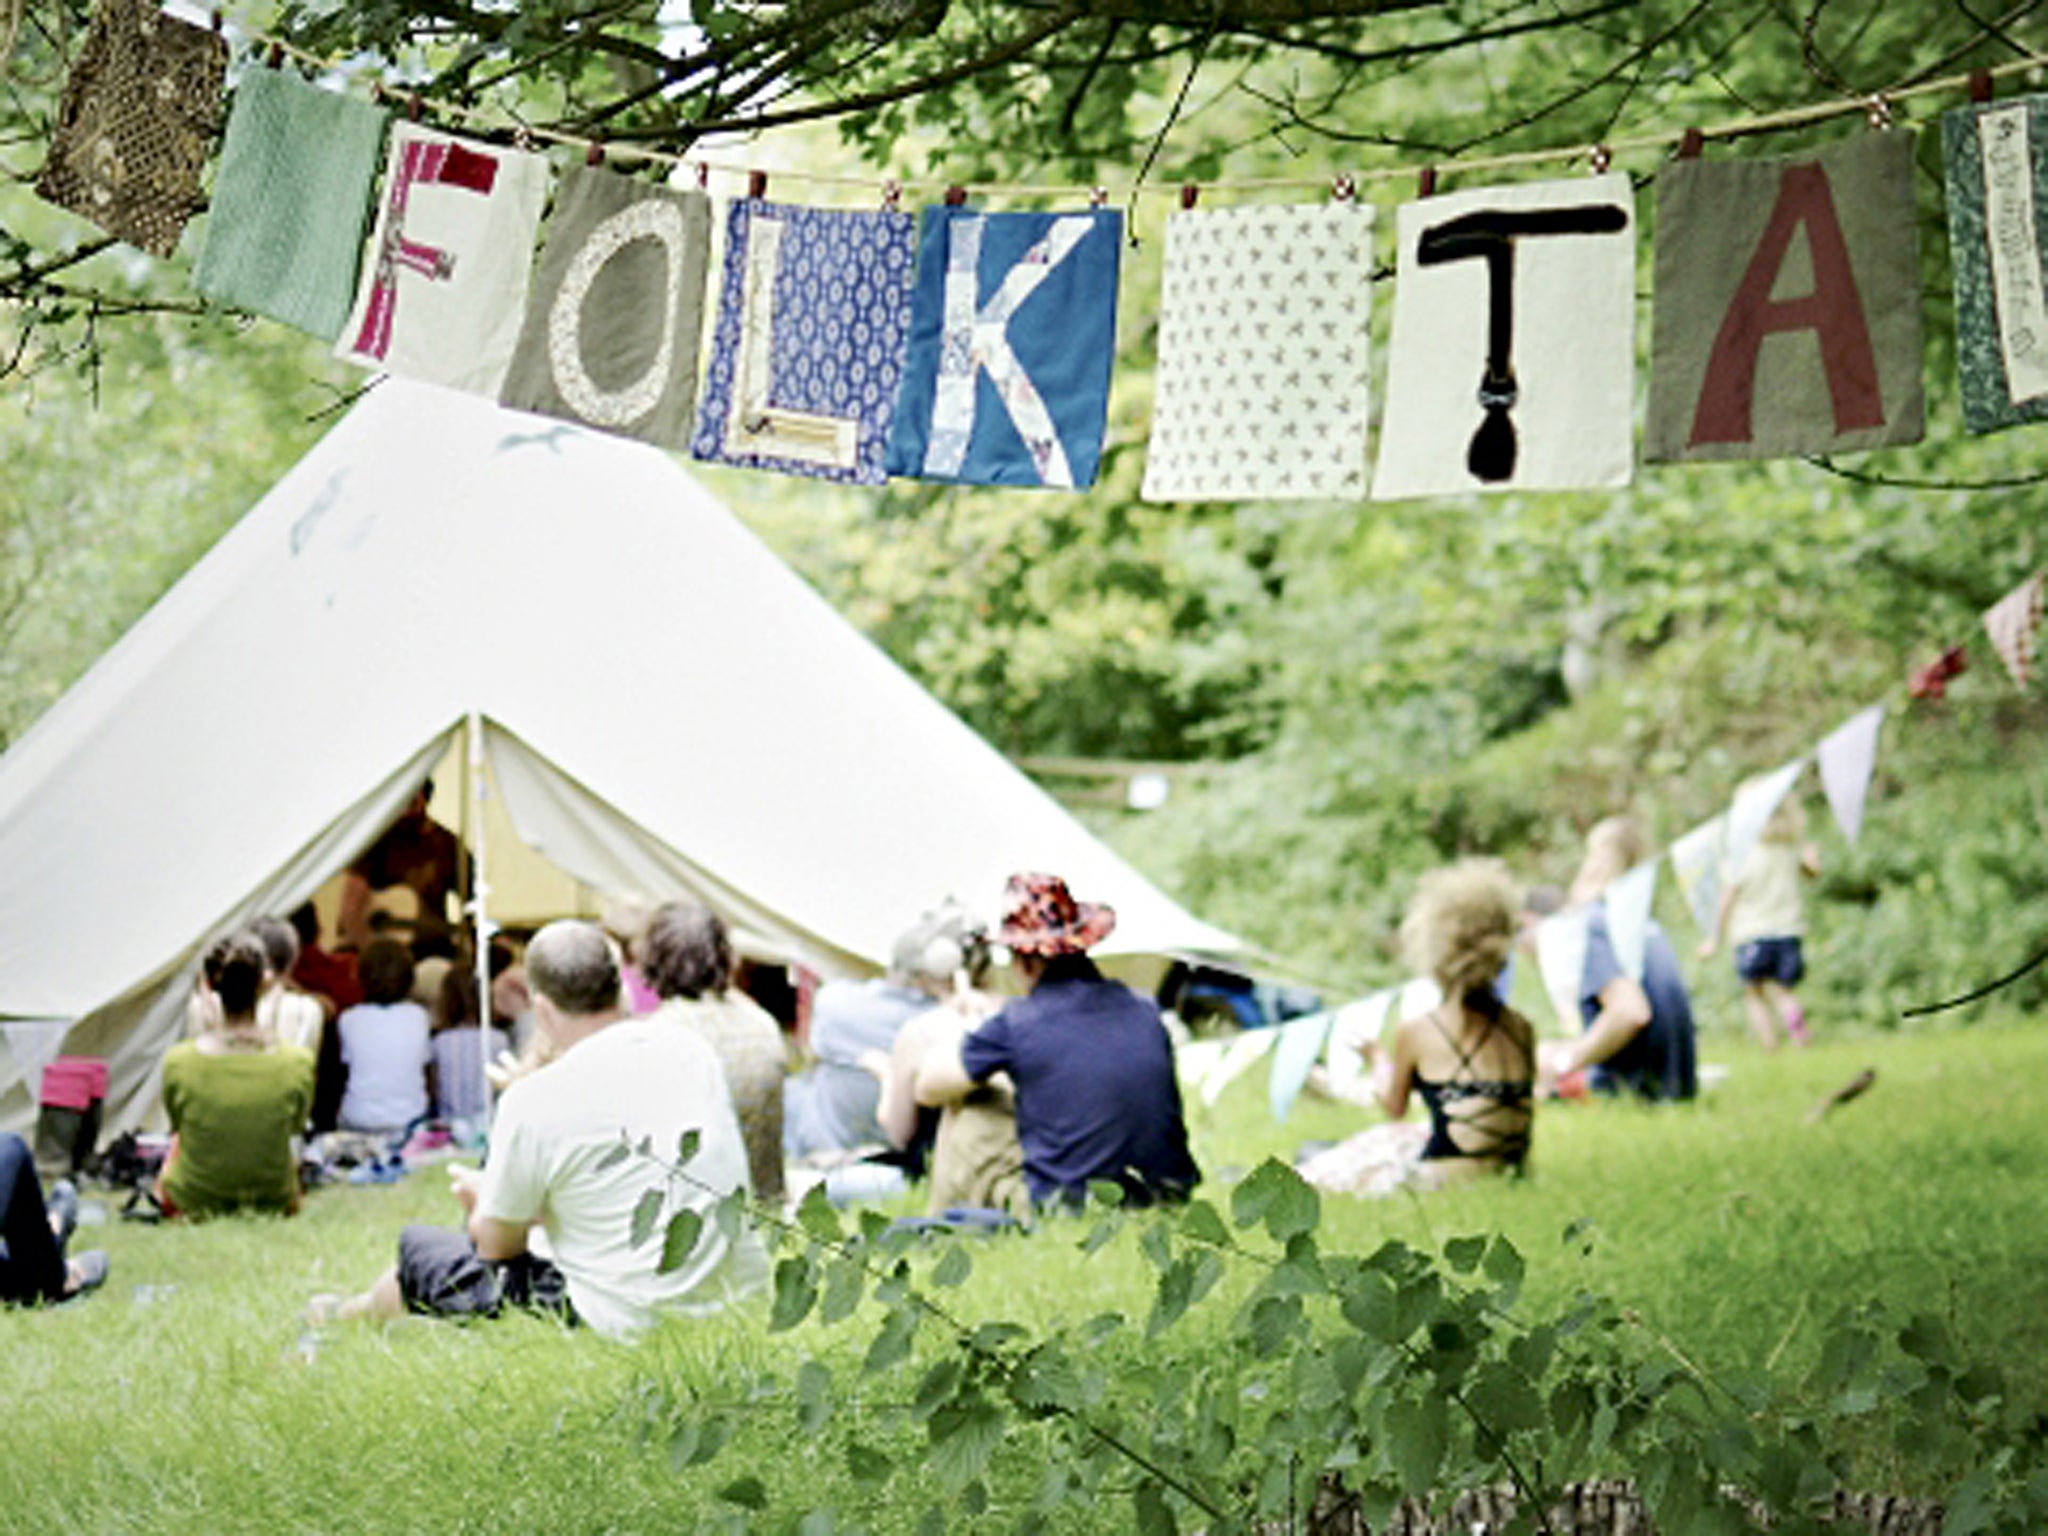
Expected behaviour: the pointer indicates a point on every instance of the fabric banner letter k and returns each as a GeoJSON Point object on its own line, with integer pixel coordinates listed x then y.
{"type": "Point", "coordinates": [976, 337]}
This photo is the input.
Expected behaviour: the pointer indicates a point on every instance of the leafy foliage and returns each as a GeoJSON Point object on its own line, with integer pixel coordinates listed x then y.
{"type": "Point", "coordinates": [1393, 1376]}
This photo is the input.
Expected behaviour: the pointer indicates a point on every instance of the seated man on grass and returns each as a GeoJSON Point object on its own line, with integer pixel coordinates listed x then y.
{"type": "Point", "coordinates": [552, 1163]}
{"type": "Point", "coordinates": [1097, 1098]}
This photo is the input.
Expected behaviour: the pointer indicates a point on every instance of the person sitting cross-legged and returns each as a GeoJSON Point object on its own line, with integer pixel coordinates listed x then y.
{"type": "Point", "coordinates": [1090, 1060]}
{"type": "Point", "coordinates": [33, 1235]}
{"type": "Point", "coordinates": [554, 1164]}
{"type": "Point", "coordinates": [236, 1097]}
{"type": "Point", "coordinates": [1471, 1058]}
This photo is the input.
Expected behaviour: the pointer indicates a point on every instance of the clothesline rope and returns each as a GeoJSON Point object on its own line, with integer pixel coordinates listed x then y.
{"type": "Point", "coordinates": [1878, 106]}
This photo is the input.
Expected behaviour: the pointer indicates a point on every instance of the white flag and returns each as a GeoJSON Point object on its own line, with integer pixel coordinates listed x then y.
{"type": "Point", "coordinates": [1696, 860]}
{"type": "Point", "coordinates": [1846, 759]}
{"type": "Point", "coordinates": [1628, 916]}
{"type": "Point", "coordinates": [1561, 957]}
{"type": "Point", "coordinates": [1751, 808]}
{"type": "Point", "coordinates": [1356, 1026]}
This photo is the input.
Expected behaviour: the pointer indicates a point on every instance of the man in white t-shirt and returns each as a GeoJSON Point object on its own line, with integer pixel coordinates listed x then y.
{"type": "Point", "coordinates": [553, 1164]}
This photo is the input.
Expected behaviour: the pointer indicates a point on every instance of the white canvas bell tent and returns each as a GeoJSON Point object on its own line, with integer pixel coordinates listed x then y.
{"type": "Point", "coordinates": [664, 707]}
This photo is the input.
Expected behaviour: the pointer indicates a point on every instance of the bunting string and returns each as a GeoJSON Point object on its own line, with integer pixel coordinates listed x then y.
{"type": "Point", "coordinates": [1879, 106]}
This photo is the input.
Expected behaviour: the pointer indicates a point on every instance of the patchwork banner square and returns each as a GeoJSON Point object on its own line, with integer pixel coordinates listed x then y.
{"type": "Point", "coordinates": [611, 328]}
{"type": "Point", "coordinates": [444, 290]}
{"type": "Point", "coordinates": [1787, 305]}
{"type": "Point", "coordinates": [137, 119]}
{"type": "Point", "coordinates": [1996, 163]}
{"type": "Point", "coordinates": [291, 201]}
{"type": "Point", "coordinates": [1012, 333]}
{"type": "Point", "coordinates": [1512, 363]}
{"type": "Point", "coordinates": [807, 356]}
{"type": "Point", "coordinates": [1265, 324]}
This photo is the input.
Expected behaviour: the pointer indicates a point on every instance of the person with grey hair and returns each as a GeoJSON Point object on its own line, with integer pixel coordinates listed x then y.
{"type": "Point", "coordinates": [829, 1110]}
{"type": "Point", "coordinates": [686, 953]}
{"type": "Point", "coordinates": [613, 1081]}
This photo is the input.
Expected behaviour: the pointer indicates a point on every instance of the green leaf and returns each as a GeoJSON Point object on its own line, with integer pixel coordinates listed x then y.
{"type": "Point", "coordinates": [1273, 1321]}
{"type": "Point", "coordinates": [680, 1241]}
{"type": "Point", "coordinates": [1045, 1381]}
{"type": "Point", "coordinates": [866, 1465]}
{"type": "Point", "coordinates": [817, 1217]}
{"type": "Point", "coordinates": [1463, 1253]}
{"type": "Point", "coordinates": [1275, 1194]}
{"type": "Point", "coordinates": [1099, 1234]}
{"type": "Point", "coordinates": [1105, 1192]}
{"type": "Point", "coordinates": [1504, 1264]}
{"type": "Point", "coordinates": [817, 1522]}
{"type": "Point", "coordinates": [963, 1437]}
{"type": "Point", "coordinates": [1176, 1291]}
{"type": "Point", "coordinates": [1200, 1223]}
{"type": "Point", "coordinates": [795, 1291]}
{"type": "Point", "coordinates": [893, 1340]}
{"type": "Point", "coordinates": [687, 1144]}
{"type": "Point", "coordinates": [845, 1280]}
{"type": "Point", "coordinates": [954, 1266]}
{"type": "Point", "coordinates": [1154, 1514]}
{"type": "Point", "coordinates": [937, 1386]}
{"type": "Point", "coordinates": [1531, 1353]}
{"type": "Point", "coordinates": [746, 1492]}
{"type": "Point", "coordinates": [646, 1214]}
{"type": "Point", "coordinates": [696, 1441]}
{"type": "Point", "coordinates": [813, 1396]}
{"type": "Point", "coordinates": [614, 1155]}
{"type": "Point", "coordinates": [1504, 1400]}
{"type": "Point", "coordinates": [1417, 1434]}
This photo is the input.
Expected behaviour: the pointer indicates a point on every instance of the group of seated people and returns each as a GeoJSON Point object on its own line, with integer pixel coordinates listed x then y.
{"type": "Point", "coordinates": [1475, 1062]}
{"type": "Point", "coordinates": [1005, 1107]}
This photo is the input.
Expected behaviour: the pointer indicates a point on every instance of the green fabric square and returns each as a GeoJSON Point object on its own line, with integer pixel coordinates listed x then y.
{"type": "Point", "coordinates": [291, 202]}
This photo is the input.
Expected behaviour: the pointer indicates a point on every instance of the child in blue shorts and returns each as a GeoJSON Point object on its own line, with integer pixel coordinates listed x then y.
{"type": "Point", "coordinates": [1763, 914]}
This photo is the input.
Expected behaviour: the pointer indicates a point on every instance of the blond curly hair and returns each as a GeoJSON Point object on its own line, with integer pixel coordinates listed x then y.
{"type": "Point", "coordinates": [1461, 926]}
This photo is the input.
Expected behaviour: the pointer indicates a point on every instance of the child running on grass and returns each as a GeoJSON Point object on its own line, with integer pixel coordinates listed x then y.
{"type": "Point", "coordinates": [1763, 914]}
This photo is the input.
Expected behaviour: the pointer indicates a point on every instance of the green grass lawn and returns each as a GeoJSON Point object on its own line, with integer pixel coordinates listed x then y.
{"type": "Point", "coordinates": [185, 1398]}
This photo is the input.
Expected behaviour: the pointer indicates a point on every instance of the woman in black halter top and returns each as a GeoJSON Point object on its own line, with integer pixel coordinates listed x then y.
{"type": "Point", "coordinates": [1471, 1059]}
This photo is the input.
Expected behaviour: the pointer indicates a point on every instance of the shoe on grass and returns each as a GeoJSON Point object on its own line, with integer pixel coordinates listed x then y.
{"type": "Point", "coordinates": [87, 1272]}
{"type": "Point", "coordinates": [62, 1204]}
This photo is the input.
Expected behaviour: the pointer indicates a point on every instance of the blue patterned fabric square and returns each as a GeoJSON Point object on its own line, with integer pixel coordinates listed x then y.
{"type": "Point", "coordinates": [807, 353]}
{"type": "Point", "coordinates": [1012, 334]}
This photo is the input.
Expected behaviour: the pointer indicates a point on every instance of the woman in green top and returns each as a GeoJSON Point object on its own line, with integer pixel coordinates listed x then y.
{"type": "Point", "coordinates": [236, 1099]}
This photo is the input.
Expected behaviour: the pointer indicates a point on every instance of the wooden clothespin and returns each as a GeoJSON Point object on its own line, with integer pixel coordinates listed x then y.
{"type": "Point", "coordinates": [1980, 86]}
{"type": "Point", "coordinates": [1425, 182]}
{"type": "Point", "coordinates": [956, 195]}
{"type": "Point", "coordinates": [757, 185]}
{"type": "Point", "coordinates": [593, 154]}
{"type": "Point", "coordinates": [1690, 143]}
{"type": "Point", "coordinates": [1189, 192]}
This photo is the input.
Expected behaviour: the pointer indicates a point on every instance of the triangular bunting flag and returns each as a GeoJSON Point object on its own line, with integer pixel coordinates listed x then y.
{"type": "Point", "coordinates": [1751, 808]}
{"type": "Point", "coordinates": [1628, 916]}
{"type": "Point", "coordinates": [1561, 957]}
{"type": "Point", "coordinates": [1846, 756]}
{"type": "Point", "coordinates": [1417, 998]}
{"type": "Point", "coordinates": [1696, 861]}
{"type": "Point", "coordinates": [1294, 1057]}
{"type": "Point", "coordinates": [1247, 1048]}
{"type": "Point", "coordinates": [2014, 622]}
{"type": "Point", "coordinates": [1355, 1026]}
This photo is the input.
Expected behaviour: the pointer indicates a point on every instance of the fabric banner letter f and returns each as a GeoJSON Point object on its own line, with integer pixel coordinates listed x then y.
{"type": "Point", "coordinates": [1010, 388]}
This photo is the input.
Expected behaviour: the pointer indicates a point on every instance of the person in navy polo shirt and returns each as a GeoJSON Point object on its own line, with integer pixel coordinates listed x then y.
{"type": "Point", "coordinates": [1090, 1060]}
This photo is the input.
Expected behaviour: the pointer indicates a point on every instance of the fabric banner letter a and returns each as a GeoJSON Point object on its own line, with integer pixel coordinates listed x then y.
{"type": "Point", "coordinates": [1787, 305]}
{"type": "Point", "coordinates": [1012, 332]}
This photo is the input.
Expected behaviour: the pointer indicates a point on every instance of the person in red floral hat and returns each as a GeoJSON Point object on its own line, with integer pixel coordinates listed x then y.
{"type": "Point", "coordinates": [1097, 1098]}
